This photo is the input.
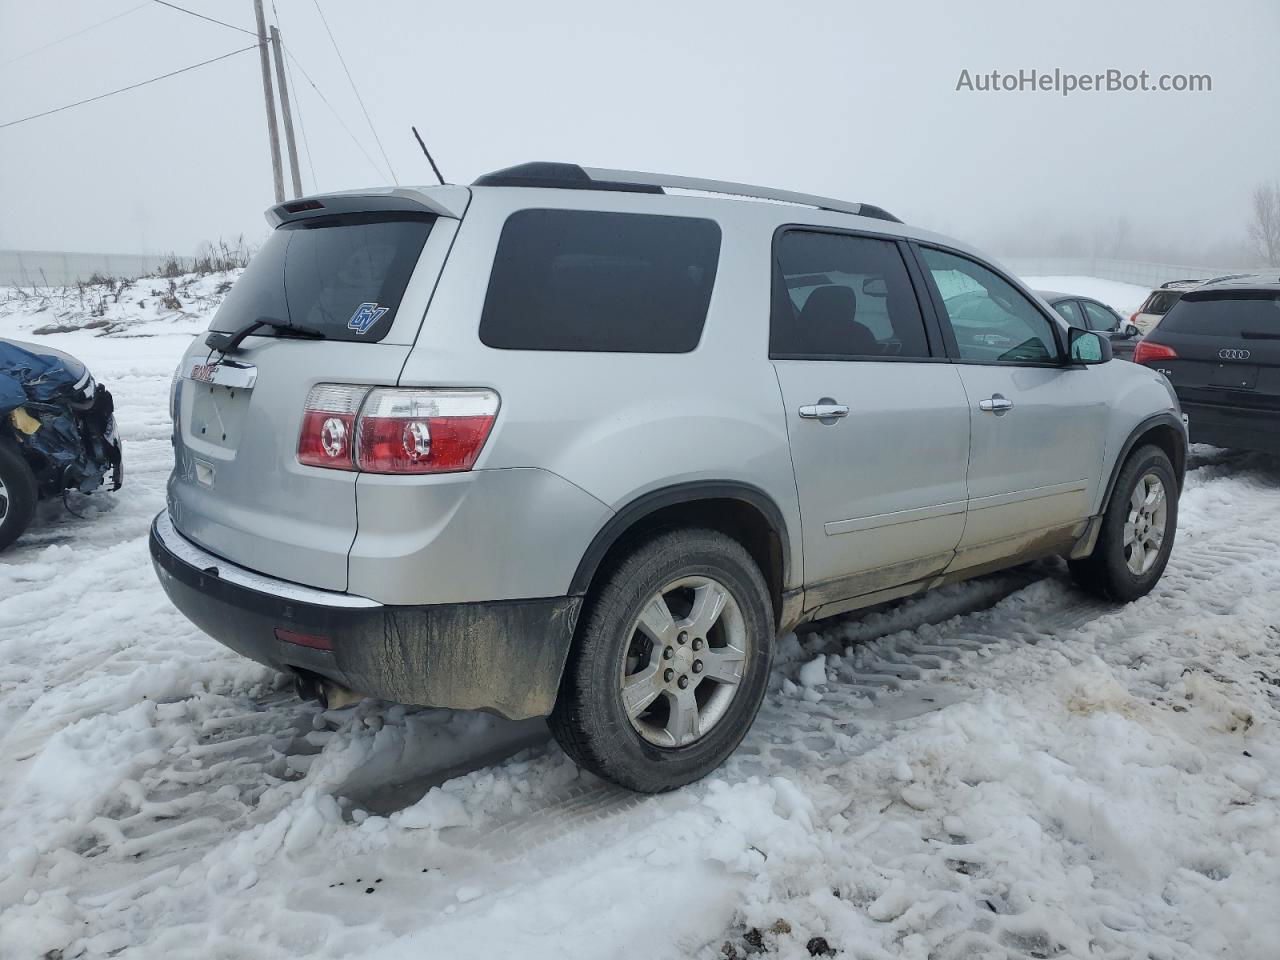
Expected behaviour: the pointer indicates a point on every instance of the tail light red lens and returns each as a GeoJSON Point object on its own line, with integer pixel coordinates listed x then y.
{"type": "Point", "coordinates": [328, 434]}
{"type": "Point", "coordinates": [410, 430]}
{"type": "Point", "coordinates": [1147, 352]}
{"type": "Point", "coordinates": [395, 430]}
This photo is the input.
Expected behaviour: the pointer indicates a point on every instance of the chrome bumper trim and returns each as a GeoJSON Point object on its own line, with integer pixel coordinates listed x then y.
{"type": "Point", "coordinates": [194, 556]}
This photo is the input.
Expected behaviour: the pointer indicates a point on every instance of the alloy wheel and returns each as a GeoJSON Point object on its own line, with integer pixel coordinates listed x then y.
{"type": "Point", "coordinates": [1145, 527]}
{"type": "Point", "coordinates": [685, 661]}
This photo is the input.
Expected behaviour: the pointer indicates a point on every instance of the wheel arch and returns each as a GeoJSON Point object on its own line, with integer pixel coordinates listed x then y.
{"type": "Point", "coordinates": [1163, 430]}
{"type": "Point", "coordinates": [739, 510]}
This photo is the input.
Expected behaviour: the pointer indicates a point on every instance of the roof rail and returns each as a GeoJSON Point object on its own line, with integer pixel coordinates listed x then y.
{"type": "Point", "coordinates": [572, 176]}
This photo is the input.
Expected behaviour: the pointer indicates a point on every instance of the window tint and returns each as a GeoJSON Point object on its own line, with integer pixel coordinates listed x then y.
{"type": "Point", "coordinates": [1160, 302]}
{"type": "Point", "coordinates": [843, 296]}
{"type": "Point", "coordinates": [992, 320]}
{"type": "Point", "coordinates": [1100, 318]}
{"type": "Point", "coordinates": [603, 282]}
{"type": "Point", "coordinates": [1069, 312]}
{"type": "Point", "coordinates": [342, 276]}
{"type": "Point", "coordinates": [1239, 314]}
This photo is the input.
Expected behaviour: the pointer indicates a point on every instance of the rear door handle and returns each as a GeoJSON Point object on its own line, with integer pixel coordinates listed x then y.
{"type": "Point", "coordinates": [825, 410]}
{"type": "Point", "coordinates": [997, 404]}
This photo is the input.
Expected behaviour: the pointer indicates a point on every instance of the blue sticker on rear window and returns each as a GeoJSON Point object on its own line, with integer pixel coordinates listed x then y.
{"type": "Point", "coordinates": [366, 315]}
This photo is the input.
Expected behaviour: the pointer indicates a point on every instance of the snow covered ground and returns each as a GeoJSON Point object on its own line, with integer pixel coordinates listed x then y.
{"type": "Point", "coordinates": [1004, 768]}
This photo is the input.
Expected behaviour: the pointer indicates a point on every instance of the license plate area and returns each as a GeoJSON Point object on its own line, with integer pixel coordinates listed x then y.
{"type": "Point", "coordinates": [1235, 376]}
{"type": "Point", "coordinates": [217, 415]}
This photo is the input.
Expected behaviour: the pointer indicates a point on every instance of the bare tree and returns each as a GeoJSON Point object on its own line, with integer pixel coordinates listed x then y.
{"type": "Point", "coordinates": [1264, 227]}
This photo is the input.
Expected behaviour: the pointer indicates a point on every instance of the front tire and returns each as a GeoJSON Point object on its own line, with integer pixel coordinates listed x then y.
{"type": "Point", "coordinates": [670, 662]}
{"type": "Point", "coordinates": [17, 494]}
{"type": "Point", "coordinates": [1137, 530]}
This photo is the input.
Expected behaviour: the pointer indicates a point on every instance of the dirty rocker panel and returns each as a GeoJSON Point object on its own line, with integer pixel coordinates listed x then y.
{"type": "Point", "coordinates": [505, 656]}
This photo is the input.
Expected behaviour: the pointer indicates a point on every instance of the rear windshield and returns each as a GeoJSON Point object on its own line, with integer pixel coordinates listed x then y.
{"type": "Point", "coordinates": [1159, 302]}
{"type": "Point", "coordinates": [343, 276]}
{"type": "Point", "coordinates": [604, 282]}
{"type": "Point", "coordinates": [1239, 314]}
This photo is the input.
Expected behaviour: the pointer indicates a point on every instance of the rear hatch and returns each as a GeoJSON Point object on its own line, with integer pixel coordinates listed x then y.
{"type": "Point", "coordinates": [1228, 348]}
{"type": "Point", "coordinates": [359, 270]}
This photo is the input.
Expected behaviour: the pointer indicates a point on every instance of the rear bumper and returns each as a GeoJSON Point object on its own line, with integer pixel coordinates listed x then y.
{"type": "Point", "coordinates": [505, 656]}
{"type": "Point", "coordinates": [1236, 427]}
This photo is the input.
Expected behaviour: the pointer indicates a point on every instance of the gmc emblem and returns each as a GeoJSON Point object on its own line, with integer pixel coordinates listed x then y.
{"type": "Point", "coordinates": [205, 371]}
{"type": "Point", "coordinates": [1232, 354]}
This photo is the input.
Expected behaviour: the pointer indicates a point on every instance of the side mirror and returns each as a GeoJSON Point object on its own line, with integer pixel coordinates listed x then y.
{"type": "Point", "coordinates": [1130, 331]}
{"type": "Point", "coordinates": [1087, 347]}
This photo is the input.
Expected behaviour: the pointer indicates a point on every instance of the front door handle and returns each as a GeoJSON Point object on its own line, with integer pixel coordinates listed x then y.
{"type": "Point", "coordinates": [826, 410]}
{"type": "Point", "coordinates": [998, 405]}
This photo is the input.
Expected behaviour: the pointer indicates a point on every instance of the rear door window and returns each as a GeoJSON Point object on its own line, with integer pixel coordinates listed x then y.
{"type": "Point", "coordinates": [342, 276]}
{"type": "Point", "coordinates": [840, 296]}
{"type": "Point", "coordinates": [1235, 314]}
{"type": "Point", "coordinates": [583, 280]}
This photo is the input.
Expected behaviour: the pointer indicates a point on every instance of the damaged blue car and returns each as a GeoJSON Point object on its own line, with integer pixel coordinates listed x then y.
{"type": "Point", "coordinates": [57, 433]}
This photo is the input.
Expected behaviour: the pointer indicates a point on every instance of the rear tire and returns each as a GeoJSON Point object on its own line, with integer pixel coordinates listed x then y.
{"type": "Point", "coordinates": [669, 664]}
{"type": "Point", "coordinates": [1137, 530]}
{"type": "Point", "coordinates": [17, 494]}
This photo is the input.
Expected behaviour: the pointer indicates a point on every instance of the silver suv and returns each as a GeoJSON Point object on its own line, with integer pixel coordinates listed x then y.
{"type": "Point", "coordinates": [583, 443]}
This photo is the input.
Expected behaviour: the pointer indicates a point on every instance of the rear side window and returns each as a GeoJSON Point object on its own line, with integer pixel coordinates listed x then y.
{"type": "Point", "coordinates": [584, 280]}
{"type": "Point", "coordinates": [843, 297]}
{"type": "Point", "coordinates": [1236, 314]}
{"type": "Point", "coordinates": [343, 276]}
{"type": "Point", "coordinates": [1160, 301]}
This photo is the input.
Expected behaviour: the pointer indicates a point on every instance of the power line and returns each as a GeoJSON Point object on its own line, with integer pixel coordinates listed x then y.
{"type": "Point", "coordinates": [359, 99]}
{"type": "Point", "coordinates": [354, 139]}
{"type": "Point", "coordinates": [132, 86]}
{"type": "Point", "coordinates": [229, 26]}
{"type": "Point", "coordinates": [54, 43]}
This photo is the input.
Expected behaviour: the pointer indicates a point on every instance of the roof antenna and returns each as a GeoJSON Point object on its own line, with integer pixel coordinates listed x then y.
{"type": "Point", "coordinates": [428, 153]}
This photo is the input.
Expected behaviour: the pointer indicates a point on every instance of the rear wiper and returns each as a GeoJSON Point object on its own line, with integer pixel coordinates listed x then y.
{"type": "Point", "coordinates": [230, 342]}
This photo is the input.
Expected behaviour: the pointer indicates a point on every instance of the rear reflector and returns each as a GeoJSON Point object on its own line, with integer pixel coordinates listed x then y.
{"type": "Point", "coordinates": [313, 641]}
{"type": "Point", "coordinates": [1146, 352]}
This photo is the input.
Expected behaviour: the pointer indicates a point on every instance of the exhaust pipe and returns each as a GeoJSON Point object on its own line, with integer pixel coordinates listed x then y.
{"type": "Point", "coordinates": [334, 696]}
{"type": "Point", "coordinates": [330, 695]}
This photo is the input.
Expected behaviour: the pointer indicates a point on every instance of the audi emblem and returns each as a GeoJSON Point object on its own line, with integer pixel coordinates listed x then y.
{"type": "Point", "coordinates": [1232, 354]}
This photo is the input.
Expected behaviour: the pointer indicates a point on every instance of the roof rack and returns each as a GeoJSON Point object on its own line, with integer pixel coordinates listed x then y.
{"type": "Point", "coordinates": [573, 177]}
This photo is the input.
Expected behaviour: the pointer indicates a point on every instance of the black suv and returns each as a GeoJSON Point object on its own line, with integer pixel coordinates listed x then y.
{"type": "Point", "coordinates": [1219, 345]}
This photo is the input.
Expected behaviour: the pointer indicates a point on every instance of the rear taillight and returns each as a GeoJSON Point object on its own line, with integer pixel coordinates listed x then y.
{"type": "Point", "coordinates": [1147, 352]}
{"type": "Point", "coordinates": [394, 429]}
{"type": "Point", "coordinates": [328, 433]}
{"type": "Point", "coordinates": [424, 430]}
{"type": "Point", "coordinates": [1134, 319]}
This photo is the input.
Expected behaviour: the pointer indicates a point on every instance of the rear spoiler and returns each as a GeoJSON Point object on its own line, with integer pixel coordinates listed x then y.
{"type": "Point", "coordinates": [446, 201]}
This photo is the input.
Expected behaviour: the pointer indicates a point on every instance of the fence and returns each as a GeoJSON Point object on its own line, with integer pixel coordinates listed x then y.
{"type": "Point", "coordinates": [1140, 272]}
{"type": "Point", "coordinates": [40, 268]}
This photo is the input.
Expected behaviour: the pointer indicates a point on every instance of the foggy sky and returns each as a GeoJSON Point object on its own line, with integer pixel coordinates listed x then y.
{"type": "Point", "coordinates": [855, 100]}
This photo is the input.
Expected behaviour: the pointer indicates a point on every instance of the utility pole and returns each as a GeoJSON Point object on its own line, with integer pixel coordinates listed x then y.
{"type": "Point", "coordinates": [278, 49]}
{"type": "Point", "coordinates": [272, 132]}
